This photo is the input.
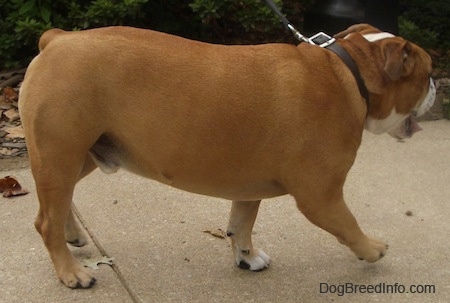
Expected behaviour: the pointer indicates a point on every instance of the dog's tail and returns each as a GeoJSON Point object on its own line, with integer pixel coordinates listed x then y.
{"type": "Point", "coordinates": [48, 36]}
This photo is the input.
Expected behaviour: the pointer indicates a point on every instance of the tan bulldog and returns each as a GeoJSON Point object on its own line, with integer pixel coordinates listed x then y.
{"type": "Point", "coordinates": [238, 122]}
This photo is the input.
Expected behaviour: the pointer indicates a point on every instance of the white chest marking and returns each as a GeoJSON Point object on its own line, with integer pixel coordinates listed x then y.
{"type": "Point", "coordinates": [384, 125]}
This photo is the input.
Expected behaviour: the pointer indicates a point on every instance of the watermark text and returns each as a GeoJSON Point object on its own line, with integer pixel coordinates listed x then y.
{"type": "Point", "coordinates": [342, 289]}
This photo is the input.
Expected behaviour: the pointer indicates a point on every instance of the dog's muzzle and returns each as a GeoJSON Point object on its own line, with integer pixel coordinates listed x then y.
{"type": "Point", "coordinates": [409, 126]}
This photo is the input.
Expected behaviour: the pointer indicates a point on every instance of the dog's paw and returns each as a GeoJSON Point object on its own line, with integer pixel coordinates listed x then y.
{"type": "Point", "coordinates": [255, 260]}
{"type": "Point", "coordinates": [77, 277]}
{"type": "Point", "coordinates": [370, 250]}
{"type": "Point", "coordinates": [78, 241]}
{"type": "Point", "coordinates": [74, 232]}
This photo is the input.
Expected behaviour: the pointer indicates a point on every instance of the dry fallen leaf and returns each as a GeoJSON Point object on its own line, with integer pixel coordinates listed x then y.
{"type": "Point", "coordinates": [10, 187]}
{"type": "Point", "coordinates": [12, 115]}
{"type": "Point", "coordinates": [219, 233]}
{"type": "Point", "coordinates": [14, 132]}
{"type": "Point", "coordinates": [4, 104]}
{"type": "Point", "coordinates": [93, 264]}
{"type": "Point", "coordinates": [9, 94]}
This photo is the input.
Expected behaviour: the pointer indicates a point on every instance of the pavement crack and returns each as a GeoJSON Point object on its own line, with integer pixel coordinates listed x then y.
{"type": "Point", "coordinates": [103, 251]}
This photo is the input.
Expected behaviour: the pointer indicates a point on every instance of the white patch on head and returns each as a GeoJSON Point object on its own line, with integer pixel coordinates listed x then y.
{"type": "Point", "coordinates": [378, 36]}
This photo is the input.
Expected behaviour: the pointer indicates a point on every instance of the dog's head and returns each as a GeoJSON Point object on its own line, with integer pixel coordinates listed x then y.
{"type": "Point", "coordinates": [397, 75]}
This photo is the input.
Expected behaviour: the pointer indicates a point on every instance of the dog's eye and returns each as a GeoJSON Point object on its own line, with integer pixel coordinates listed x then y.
{"type": "Point", "coordinates": [404, 56]}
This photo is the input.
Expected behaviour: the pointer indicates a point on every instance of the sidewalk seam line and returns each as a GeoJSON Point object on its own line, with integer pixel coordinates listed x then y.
{"type": "Point", "coordinates": [100, 248]}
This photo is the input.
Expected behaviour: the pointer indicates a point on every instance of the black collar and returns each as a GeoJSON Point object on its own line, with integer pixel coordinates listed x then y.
{"type": "Point", "coordinates": [325, 41]}
{"type": "Point", "coordinates": [348, 60]}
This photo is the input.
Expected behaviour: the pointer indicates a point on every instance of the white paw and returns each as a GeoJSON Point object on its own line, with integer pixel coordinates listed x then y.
{"type": "Point", "coordinates": [255, 260]}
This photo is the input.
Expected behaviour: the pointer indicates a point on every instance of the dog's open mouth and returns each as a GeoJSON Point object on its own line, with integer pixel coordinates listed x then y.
{"type": "Point", "coordinates": [406, 129]}
{"type": "Point", "coordinates": [411, 126]}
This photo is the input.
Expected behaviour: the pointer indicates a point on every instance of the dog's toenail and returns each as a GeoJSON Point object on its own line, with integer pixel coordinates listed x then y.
{"type": "Point", "coordinates": [244, 265]}
{"type": "Point", "coordinates": [93, 281]}
{"type": "Point", "coordinates": [261, 269]}
{"type": "Point", "coordinates": [76, 243]}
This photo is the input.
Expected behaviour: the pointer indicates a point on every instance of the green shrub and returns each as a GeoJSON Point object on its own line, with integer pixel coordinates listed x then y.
{"type": "Point", "coordinates": [104, 12]}
{"type": "Point", "coordinates": [422, 36]}
{"type": "Point", "coordinates": [252, 15]}
{"type": "Point", "coordinates": [426, 22]}
{"type": "Point", "coordinates": [23, 21]}
{"type": "Point", "coordinates": [20, 23]}
{"type": "Point", "coordinates": [220, 21]}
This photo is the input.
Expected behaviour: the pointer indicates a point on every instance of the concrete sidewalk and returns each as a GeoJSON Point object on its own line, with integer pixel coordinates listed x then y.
{"type": "Point", "coordinates": [161, 254]}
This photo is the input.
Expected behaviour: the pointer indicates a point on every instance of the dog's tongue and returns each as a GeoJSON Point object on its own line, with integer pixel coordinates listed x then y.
{"type": "Point", "coordinates": [411, 126]}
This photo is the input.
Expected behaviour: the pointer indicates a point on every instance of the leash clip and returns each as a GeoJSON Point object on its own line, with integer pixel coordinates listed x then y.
{"type": "Point", "coordinates": [321, 39]}
{"type": "Point", "coordinates": [297, 34]}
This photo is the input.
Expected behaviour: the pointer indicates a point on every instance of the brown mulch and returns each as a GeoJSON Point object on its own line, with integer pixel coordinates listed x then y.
{"type": "Point", "coordinates": [12, 138]}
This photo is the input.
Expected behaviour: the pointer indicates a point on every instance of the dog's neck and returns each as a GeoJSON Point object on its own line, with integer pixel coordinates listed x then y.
{"type": "Point", "coordinates": [348, 60]}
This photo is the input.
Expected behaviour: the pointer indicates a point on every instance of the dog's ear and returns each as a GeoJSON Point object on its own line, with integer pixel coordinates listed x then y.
{"type": "Point", "coordinates": [398, 60]}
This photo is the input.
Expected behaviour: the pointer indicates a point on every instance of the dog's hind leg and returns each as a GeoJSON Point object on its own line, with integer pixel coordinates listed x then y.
{"type": "Point", "coordinates": [242, 218]}
{"type": "Point", "coordinates": [73, 231]}
{"type": "Point", "coordinates": [56, 171]}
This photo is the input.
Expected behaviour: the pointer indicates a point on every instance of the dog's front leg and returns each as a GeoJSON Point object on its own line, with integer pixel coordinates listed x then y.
{"type": "Point", "coordinates": [242, 218]}
{"type": "Point", "coordinates": [327, 209]}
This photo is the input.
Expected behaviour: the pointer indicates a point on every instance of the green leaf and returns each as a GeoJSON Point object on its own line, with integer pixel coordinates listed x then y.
{"type": "Point", "coordinates": [26, 7]}
{"type": "Point", "coordinates": [45, 14]}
